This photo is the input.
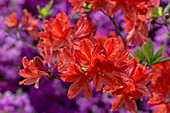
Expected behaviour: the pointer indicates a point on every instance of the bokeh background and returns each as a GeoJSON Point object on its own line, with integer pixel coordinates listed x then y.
{"type": "Point", "coordinates": [51, 97]}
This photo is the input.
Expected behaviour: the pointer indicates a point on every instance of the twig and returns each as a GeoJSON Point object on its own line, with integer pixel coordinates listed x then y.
{"type": "Point", "coordinates": [166, 24]}
{"type": "Point", "coordinates": [116, 29]}
{"type": "Point", "coordinates": [26, 43]}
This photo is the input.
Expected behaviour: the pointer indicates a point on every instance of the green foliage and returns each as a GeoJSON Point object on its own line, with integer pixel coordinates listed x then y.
{"type": "Point", "coordinates": [158, 12]}
{"type": "Point", "coordinates": [148, 50]}
{"type": "Point", "coordinates": [167, 8]}
{"type": "Point", "coordinates": [158, 53]}
{"type": "Point", "coordinates": [139, 55]}
{"type": "Point", "coordinates": [19, 92]}
{"type": "Point", "coordinates": [84, 68]}
{"type": "Point", "coordinates": [147, 56]}
{"type": "Point", "coordinates": [88, 6]}
{"type": "Point", "coordinates": [46, 11]}
{"type": "Point", "coordinates": [155, 12]}
{"type": "Point", "coordinates": [87, 12]}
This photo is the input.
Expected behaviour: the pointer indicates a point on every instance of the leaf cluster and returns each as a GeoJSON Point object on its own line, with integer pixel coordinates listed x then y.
{"type": "Point", "coordinates": [147, 56]}
{"type": "Point", "coordinates": [159, 12]}
{"type": "Point", "coordinates": [46, 11]}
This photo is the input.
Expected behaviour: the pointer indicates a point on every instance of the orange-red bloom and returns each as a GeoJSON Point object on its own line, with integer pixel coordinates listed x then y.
{"type": "Point", "coordinates": [84, 29]}
{"type": "Point", "coordinates": [31, 26]}
{"type": "Point", "coordinates": [30, 73]}
{"type": "Point", "coordinates": [12, 20]}
{"type": "Point", "coordinates": [132, 91]}
{"type": "Point", "coordinates": [80, 81]}
{"type": "Point", "coordinates": [137, 31]}
{"type": "Point", "coordinates": [77, 5]}
{"type": "Point", "coordinates": [57, 31]}
{"type": "Point", "coordinates": [160, 86]}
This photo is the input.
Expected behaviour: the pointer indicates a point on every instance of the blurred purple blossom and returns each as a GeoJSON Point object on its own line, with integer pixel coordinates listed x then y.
{"type": "Point", "coordinates": [15, 103]}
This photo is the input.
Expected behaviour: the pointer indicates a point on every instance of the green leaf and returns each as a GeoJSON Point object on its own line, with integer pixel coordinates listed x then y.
{"type": "Point", "coordinates": [158, 59]}
{"type": "Point", "coordinates": [154, 15]}
{"type": "Point", "coordinates": [87, 12]}
{"type": "Point", "coordinates": [158, 53]}
{"type": "Point", "coordinates": [50, 12]}
{"type": "Point", "coordinates": [90, 6]}
{"type": "Point", "coordinates": [148, 50]}
{"type": "Point", "coordinates": [160, 13]}
{"type": "Point", "coordinates": [39, 9]}
{"type": "Point", "coordinates": [167, 8]}
{"type": "Point", "coordinates": [48, 7]}
{"type": "Point", "coordinates": [84, 68]}
{"type": "Point", "coordinates": [155, 10]}
{"type": "Point", "coordinates": [139, 54]}
{"type": "Point", "coordinates": [44, 12]}
{"type": "Point", "coordinates": [19, 92]}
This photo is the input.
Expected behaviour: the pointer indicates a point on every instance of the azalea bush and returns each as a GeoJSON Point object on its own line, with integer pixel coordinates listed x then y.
{"type": "Point", "coordinates": [124, 63]}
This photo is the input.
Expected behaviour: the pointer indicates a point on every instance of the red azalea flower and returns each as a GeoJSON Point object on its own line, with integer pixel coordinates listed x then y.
{"type": "Point", "coordinates": [12, 20]}
{"type": "Point", "coordinates": [85, 54]}
{"type": "Point", "coordinates": [160, 86]}
{"type": "Point", "coordinates": [80, 81]}
{"type": "Point", "coordinates": [84, 29]}
{"type": "Point", "coordinates": [103, 71]}
{"type": "Point", "coordinates": [26, 18]}
{"type": "Point", "coordinates": [97, 4]}
{"type": "Point", "coordinates": [137, 31]}
{"type": "Point", "coordinates": [130, 92]}
{"type": "Point", "coordinates": [32, 29]}
{"type": "Point", "coordinates": [30, 73]}
{"type": "Point", "coordinates": [31, 26]}
{"type": "Point", "coordinates": [77, 5]}
{"type": "Point", "coordinates": [57, 31]}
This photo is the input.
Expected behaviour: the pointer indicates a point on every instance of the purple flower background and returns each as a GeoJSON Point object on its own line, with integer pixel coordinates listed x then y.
{"type": "Point", "coordinates": [51, 97]}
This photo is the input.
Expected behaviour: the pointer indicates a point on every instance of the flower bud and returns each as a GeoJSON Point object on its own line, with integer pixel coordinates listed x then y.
{"type": "Point", "coordinates": [167, 15]}
{"type": "Point", "coordinates": [39, 63]}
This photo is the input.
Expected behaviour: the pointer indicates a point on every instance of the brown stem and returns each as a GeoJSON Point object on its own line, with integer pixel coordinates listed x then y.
{"type": "Point", "coordinates": [26, 43]}
{"type": "Point", "coordinates": [116, 29]}
{"type": "Point", "coordinates": [166, 24]}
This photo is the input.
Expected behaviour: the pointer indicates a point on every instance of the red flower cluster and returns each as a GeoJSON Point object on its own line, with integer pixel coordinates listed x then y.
{"type": "Point", "coordinates": [136, 13]}
{"type": "Point", "coordinates": [82, 57]}
{"type": "Point", "coordinates": [133, 89]}
{"type": "Point", "coordinates": [26, 23]}
{"type": "Point", "coordinates": [58, 33]}
{"type": "Point", "coordinates": [160, 86]}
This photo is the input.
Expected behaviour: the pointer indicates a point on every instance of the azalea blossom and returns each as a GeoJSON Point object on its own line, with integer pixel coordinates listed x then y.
{"type": "Point", "coordinates": [30, 73]}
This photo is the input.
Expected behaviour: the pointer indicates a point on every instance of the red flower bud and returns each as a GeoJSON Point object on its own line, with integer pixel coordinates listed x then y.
{"type": "Point", "coordinates": [39, 63]}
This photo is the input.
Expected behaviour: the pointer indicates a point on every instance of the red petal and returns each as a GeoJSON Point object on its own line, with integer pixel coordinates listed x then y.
{"type": "Point", "coordinates": [87, 89]}
{"type": "Point", "coordinates": [39, 63]}
{"type": "Point", "coordinates": [86, 47]}
{"type": "Point", "coordinates": [117, 103]}
{"type": "Point", "coordinates": [74, 90]}
{"type": "Point", "coordinates": [97, 82]}
{"type": "Point", "coordinates": [130, 105]}
{"type": "Point", "coordinates": [68, 55]}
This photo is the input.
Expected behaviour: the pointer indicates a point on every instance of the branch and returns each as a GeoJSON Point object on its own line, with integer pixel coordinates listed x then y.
{"type": "Point", "coordinates": [26, 43]}
{"type": "Point", "coordinates": [116, 29]}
